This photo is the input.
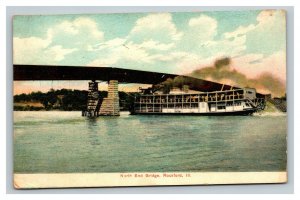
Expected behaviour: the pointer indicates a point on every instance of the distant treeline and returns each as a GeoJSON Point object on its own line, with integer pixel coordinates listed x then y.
{"type": "Point", "coordinates": [63, 99]}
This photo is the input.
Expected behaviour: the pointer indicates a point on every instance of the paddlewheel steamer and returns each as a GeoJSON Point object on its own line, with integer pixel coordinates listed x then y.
{"type": "Point", "coordinates": [179, 102]}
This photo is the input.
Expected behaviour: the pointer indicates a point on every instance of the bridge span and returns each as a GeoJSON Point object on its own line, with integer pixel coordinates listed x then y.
{"type": "Point", "coordinates": [50, 72]}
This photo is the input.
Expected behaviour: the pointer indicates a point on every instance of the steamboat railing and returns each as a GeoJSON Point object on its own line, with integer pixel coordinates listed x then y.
{"type": "Point", "coordinates": [156, 102]}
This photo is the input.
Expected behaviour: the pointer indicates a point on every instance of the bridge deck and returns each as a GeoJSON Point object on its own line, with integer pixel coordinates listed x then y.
{"type": "Point", "coordinates": [47, 72]}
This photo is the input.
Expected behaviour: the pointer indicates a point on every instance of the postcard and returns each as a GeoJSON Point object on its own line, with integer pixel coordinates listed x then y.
{"type": "Point", "coordinates": [149, 99]}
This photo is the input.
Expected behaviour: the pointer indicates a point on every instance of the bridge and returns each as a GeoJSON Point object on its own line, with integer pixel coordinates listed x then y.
{"type": "Point", "coordinates": [109, 105]}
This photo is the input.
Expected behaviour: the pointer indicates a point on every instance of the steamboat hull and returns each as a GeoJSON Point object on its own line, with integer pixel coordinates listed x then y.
{"type": "Point", "coordinates": [238, 113]}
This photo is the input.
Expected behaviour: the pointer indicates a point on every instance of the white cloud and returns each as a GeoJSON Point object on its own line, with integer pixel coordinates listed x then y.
{"type": "Point", "coordinates": [22, 54]}
{"type": "Point", "coordinates": [22, 47]}
{"type": "Point", "coordinates": [265, 20]}
{"type": "Point", "coordinates": [88, 25]}
{"type": "Point", "coordinates": [203, 28]}
{"type": "Point", "coordinates": [155, 45]}
{"type": "Point", "coordinates": [106, 45]}
{"type": "Point", "coordinates": [269, 16]}
{"type": "Point", "coordinates": [183, 62]}
{"type": "Point", "coordinates": [199, 37]}
{"type": "Point", "coordinates": [115, 42]}
{"type": "Point", "coordinates": [57, 53]}
{"type": "Point", "coordinates": [121, 52]}
{"type": "Point", "coordinates": [159, 27]}
{"type": "Point", "coordinates": [225, 47]}
{"type": "Point", "coordinates": [266, 36]}
{"type": "Point", "coordinates": [65, 26]}
{"type": "Point", "coordinates": [186, 62]}
{"type": "Point", "coordinates": [61, 39]}
{"type": "Point", "coordinates": [253, 65]}
{"type": "Point", "coordinates": [240, 31]}
{"type": "Point", "coordinates": [103, 62]}
{"type": "Point", "coordinates": [35, 50]}
{"type": "Point", "coordinates": [154, 32]}
{"type": "Point", "coordinates": [77, 27]}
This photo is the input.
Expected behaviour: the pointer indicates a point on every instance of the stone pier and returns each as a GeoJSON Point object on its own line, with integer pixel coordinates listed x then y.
{"type": "Point", "coordinates": [110, 105]}
{"type": "Point", "coordinates": [93, 101]}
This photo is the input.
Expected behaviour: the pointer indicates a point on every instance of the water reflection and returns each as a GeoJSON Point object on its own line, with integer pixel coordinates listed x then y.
{"type": "Point", "coordinates": [110, 123]}
{"type": "Point", "coordinates": [93, 133]}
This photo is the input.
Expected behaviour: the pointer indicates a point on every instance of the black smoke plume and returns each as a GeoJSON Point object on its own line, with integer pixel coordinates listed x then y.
{"type": "Point", "coordinates": [222, 72]}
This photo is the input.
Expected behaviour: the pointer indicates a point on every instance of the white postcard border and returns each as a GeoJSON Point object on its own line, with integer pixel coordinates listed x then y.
{"type": "Point", "coordinates": [74, 180]}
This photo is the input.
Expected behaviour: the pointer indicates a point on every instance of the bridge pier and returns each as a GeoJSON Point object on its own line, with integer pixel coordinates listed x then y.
{"type": "Point", "coordinates": [110, 105]}
{"type": "Point", "coordinates": [93, 101]}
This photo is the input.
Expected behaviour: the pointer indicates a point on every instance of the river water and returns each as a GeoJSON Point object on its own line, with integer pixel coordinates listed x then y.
{"type": "Point", "coordinates": [56, 141]}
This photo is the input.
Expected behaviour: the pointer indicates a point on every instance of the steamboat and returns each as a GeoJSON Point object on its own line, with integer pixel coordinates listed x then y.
{"type": "Point", "coordinates": [243, 101]}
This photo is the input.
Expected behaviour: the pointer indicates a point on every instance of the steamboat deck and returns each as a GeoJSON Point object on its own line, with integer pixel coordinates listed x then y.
{"type": "Point", "coordinates": [229, 102]}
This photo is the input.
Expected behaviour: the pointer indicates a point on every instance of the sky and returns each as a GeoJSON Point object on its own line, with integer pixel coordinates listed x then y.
{"type": "Point", "coordinates": [180, 43]}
